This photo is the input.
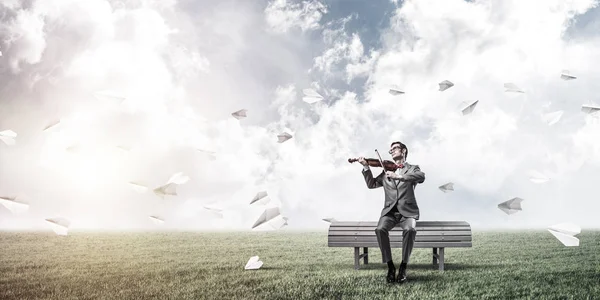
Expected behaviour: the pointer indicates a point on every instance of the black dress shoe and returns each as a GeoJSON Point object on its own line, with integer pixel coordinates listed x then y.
{"type": "Point", "coordinates": [391, 275]}
{"type": "Point", "coordinates": [401, 275]}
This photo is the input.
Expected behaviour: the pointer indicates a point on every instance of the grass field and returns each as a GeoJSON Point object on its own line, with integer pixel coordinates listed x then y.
{"type": "Point", "coordinates": [195, 265]}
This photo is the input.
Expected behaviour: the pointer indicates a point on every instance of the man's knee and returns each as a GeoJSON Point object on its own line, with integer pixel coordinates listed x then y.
{"type": "Point", "coordinates": [380, 230]}
{"type": "Point", "coordinates": [410, 226]}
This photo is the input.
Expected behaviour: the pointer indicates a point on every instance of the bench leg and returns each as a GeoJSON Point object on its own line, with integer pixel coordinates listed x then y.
{"type": "Point", "coordinates": [356, 258]}
{"type": "Point", "coordinates": [442, 259]}
{"type": "Point", "coordinates": [366, 253]}
{"type": "Point", "coordinates": [435, 256]}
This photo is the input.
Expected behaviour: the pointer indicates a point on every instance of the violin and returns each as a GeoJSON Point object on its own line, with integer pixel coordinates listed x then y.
{"type": "Point", "coordinates": [374, 162]}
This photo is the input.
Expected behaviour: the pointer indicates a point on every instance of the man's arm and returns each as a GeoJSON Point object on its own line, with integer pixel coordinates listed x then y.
{"type": "Point", "coordinates": [372, 183]}
{"type": "Point", "coordinates": [415, 176]}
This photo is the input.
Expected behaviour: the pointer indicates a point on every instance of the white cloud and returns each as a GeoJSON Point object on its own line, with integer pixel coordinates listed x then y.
{"type": "Point", "coordinates": [283, 15]}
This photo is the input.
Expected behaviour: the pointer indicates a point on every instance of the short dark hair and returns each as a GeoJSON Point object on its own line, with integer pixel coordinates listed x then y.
{"type": "Point", "coordinates": [402, 146]}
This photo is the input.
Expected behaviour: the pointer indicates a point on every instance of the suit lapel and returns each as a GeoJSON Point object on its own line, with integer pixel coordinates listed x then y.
{"type": "Point", "coordinates": [402, 172]}
{"type": "Point", "coordinates": [405, 169]}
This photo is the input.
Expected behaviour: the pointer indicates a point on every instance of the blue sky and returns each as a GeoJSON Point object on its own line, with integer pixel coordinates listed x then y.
{"type": "Point", "coordinates": [184, 66]}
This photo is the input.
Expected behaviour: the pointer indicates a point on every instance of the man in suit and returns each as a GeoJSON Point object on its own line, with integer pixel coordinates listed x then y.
{"type": "Point", "coordinates": [400, 207]}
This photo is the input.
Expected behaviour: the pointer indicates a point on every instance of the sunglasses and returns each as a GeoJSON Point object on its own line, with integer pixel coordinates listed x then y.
{"type": "Point", "coordinates": [394, 148]}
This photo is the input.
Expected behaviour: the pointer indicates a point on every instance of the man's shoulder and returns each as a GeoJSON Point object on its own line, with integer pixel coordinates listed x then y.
{"type": "Point", "coordinates": [411, 166]}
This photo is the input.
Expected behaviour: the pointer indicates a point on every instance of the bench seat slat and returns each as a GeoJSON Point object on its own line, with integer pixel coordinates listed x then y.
{"type": "Point", "coordinates": [419, 223]}
{"type": "Point", "coordinates": [371, 228]}
{"type": "Point", "coordinates": [398, 232]}
{"type": "Point", "coordinates": [399, 245]}
{"type": "Point", "coordinates": [399, 238]}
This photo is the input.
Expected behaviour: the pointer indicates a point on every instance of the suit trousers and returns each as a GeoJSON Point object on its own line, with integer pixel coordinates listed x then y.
{"type": "Point", "coordinates": [409, 232]}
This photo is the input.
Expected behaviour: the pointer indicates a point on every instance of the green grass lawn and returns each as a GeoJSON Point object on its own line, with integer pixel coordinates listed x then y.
{"type": "Point", "coordinates": [196, 265]}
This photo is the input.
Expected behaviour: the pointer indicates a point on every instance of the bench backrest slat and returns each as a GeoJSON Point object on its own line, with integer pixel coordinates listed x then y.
{"type": "Point", "coordinates": [430, 234]}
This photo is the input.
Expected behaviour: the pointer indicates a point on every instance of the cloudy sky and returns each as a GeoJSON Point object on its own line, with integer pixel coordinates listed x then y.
{"type": "Point", "coordinates": [184, 66]}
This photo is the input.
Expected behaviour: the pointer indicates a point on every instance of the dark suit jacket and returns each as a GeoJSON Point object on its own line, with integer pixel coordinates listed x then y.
{"type": "Point", "coordinates": [398, 192]}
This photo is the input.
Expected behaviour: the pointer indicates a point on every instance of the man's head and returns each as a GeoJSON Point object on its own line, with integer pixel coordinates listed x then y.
{"type": "Point", "coordinates": [398, 150]}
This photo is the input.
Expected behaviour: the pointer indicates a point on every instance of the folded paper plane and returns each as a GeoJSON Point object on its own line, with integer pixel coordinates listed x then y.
{"type": "Point", "coordinates": [511, 206]}
{"type": "Point", "coordinates": [267, 215]}
{"type": "Point", "coordinates": [566, 75]}
{"type": "Point", "coordinates": [283, 137]}
{"type": "Point", "coordinates": [15, 206]}
{"type": "Point", "coordinates": [511, 87]}
{"type": "Point", "coordinates": [52, 125]}
{"type": "Point", "coordinates": [253, 263]}
{"type": "Point", "coordinates": [444, 85]}
{"type": "Point", "coordinates": [59, 225]}
{"type": "Point", "coordinates": [470, 108]}
{"type": "Point", "coordinates": [156, 220]}
{"type": "Point", "coordinates": [588, 109]}
{"type": "Point", "coordinates": [537, 177]}
{"type": "Point", "coordinates": [446, 188]}
{"type": "Point", "coordinates": [167, 189]}
{"type": "Point", "coordinates": [396, 92]}
{"type": "Point", "coordinates": [311, 96]}
{"type": "Point", "coordinates": [552, 118]}
{"type": "Point", "coordinates": [565, 233]}
{"type": "Point", "coordinates": [240, 114]}
{"type": "Point", "coordinates": [8, 137]}
{"type": "Point", "coordinates": [261, 198]}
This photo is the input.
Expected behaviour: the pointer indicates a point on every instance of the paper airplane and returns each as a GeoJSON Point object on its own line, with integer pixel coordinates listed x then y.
{"type": "Point", "coordinates": [565, 232]}
{"type": "Point", "coordinates": [59, 225]}
{"type": "Point", "coordinates": [588, 109]}
{"type": "Point", "coordinates": [240, 114]}
{"type": "Point", "coordinates": [210, 154]}
{"type": "Point", "coordinates": [278, 222]}
{"type": "Point", "coordinates": [283, 137]}
{"type": "Point", "coordinates": [552, 118]}
{"type": "Point", "coordinates": [261, 197]}
{"type": "Point", "coordinates": [311, 96]}
{"type": "Point", "coordinates": [8, 137]}
{"type": "Point", "coordinates": [566, 75]}
{"type": "Point", "coordinates": [178, 178]}
{"type": "Point", "coordinates": [156, 220]}
{"type": "Point", "coordinates": [396, 92]}
{"type": "Point", "coordinates": [168, 189]}
{"type": "Point", "coordinates": [140, 188]}
{"type": "Point", "coordinates": [52, 125]}
{"type": "Point", "coordinates": [330, 220]}
{"type": "Point", "coordinates": [537, 177]}
{"type": "Point", "coordinates": [15, 207]}
{"type": "Point", "coordinates": [253, 263]}
{"type": "Point", "coordinates": [444, 85]}
{"type": "Point", "coordinates": [215, 210]}
{"type": "Point", "coordinates": [446, 188]}
{"type": "Point", "coordinates": [470, 108]}
{"type": "Point", "coordinates": [511, 87]}
{"type": "Point", "coordinates": [266, 216]}
{"type": "Point", "coordinates": [511, 206]}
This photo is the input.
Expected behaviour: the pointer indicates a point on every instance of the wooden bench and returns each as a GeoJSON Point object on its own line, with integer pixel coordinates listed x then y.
{"type": "Point", "coordinates": [430, 234]}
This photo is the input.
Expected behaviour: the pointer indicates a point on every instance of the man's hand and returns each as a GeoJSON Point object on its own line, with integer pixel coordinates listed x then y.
{"type": "Point", "coordinates": [363, 161]}
{"type": "Point", "coordinates": [393, 175]}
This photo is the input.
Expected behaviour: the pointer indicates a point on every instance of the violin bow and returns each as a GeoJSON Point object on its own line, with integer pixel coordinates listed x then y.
{"type": "Point", "coordinates": [382, 165]}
